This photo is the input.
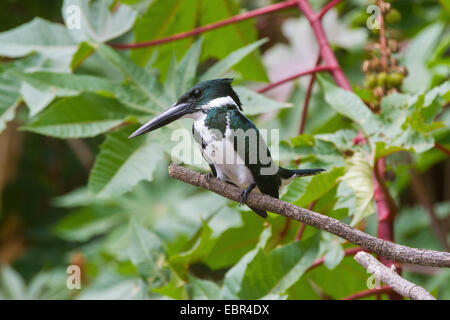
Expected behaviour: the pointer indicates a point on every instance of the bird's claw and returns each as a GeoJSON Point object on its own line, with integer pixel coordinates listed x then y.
{"type": "Point", "coordinates": [243, 198]}
{"type": "Point", "coordinates": [209, 175]}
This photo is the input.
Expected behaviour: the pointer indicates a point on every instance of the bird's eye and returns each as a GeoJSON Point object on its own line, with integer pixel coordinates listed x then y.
{"type": "Point", "coordinates": [196, 93]}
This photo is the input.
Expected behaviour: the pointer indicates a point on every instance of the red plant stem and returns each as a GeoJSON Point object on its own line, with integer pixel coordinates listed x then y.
{"type": "Point", "coordinates": [324, 46]}
{"type": "Point", "coordinates": [327, 7]}
{"type": "Point", "coordinates": [347, 252]}
{"type": "Point", "coordinates": [212, 26]}
{"type": "Point", "coordinates": [300, 232]}
{"type": "Point", "coordinates": [295, 76]}
{"type": "Point", "coordinates": [385, 204]}
{"type": "Point", "coordinates": [307, 98]}
{"type": "Point", "coordinates": [386, 212]}
{"type": "Point", "coordinates": [369, 292]}
{"type": "Point", "coordinates": [442, 148]}
{"type": "Point", "coordinates": [285, 229]}
{"type": "Point", "coordinates": [383, 52]}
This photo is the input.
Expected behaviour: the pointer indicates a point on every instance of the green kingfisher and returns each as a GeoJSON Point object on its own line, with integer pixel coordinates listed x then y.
{"type": "Point", "coordinates": [230, 142]}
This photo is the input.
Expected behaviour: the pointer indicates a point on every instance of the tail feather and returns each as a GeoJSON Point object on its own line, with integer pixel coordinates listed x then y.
{"type": "Point", "coordinates": [261, 213]}
{"type": "Point", "coordinates": [288, 173]}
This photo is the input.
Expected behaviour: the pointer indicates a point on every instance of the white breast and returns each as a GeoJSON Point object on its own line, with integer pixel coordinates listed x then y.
{"type": "Point", "coordinates": [220, 152]}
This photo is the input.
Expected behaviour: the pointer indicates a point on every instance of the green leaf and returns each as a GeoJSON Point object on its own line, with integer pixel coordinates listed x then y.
{"type": "Point", "coordinates": [12, 285]}
{"type": "Point", "coordinates": [175, 288]}
{"type": "Point", "coordinates": [233, 279]}
{"type": "Point", "coordinates": [40, 88]}
{"type": "Point", "coordinates": [203, 289]}
{"type": "Point", "coordinates": [235, 234]}
{"type": "Point", "coordinates": [164, 18]}
{"type": "Point", "coordinates": [255, 103]}
{"type": "Point", "coordinates": [352, 278]}
{"type": "Point", "coordinates": [83, 52]}
{"type": "Point", "coordinates": [306, 148]}
{"type": "Point", "coordinates": [231, 37]}
{"type": "Point", "coordinates": [334, 251]}
{"type": "Point", "coordinates": [86, 115]}
{"type": "Point", "coordinates": [349, 105]}
{"type": "Point", "coordinates": [295, 189]}
{"type": "Point", "coordinates": [111, 286]}
{"type": "Point", "coordinates": [35, 99]}
{"type": "Point", "coordinates": [342, 139]}
{"type": "Point", "coordinates": [406, 122]}
{"type": "Point", "coordinates": [420, 49]}
{"type": "Point", "coordinates": [425, 107]}
{"type": "Point", "coordinates": [346, 199]}
{"type": "Point", "coordinates": [34, 37]}
{"type": "Point", "coordinates": [82, 225]}
{"type": "Point", "coordinates": [319, 186]}
{"type": "Point", "coordinates": [122, 163]}
{"type": "Point", "coordinates": [97, 21]}
{"type": "Point", "coordinates": [77, 198]}
{"type": "Point", "coordinates": [9, 99]}
{"type": "Point", "coordinates": [223, 65]}
{"type": "Point", "coordinates": [180, 262]}
{"type": "Point", "coordinates": [358, 176]}
{"type": "Point", "coordinates": [146, 82]}
{"type": "Point", "coordinates": [147, 254]}
{"type": "Point", "coordinates": [187, 68]}
{"type": "Point", "coordinates": [277, 271]}
{"type": "Point", "coordinates": [334, 256]}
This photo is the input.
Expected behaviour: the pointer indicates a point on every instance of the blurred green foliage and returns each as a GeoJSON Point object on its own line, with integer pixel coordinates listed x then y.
{"type": "Point", "coordinates": [136, 233]}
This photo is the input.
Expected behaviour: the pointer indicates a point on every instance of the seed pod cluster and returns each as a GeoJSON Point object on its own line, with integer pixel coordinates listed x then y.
{"type": "Point", "coordinates": [384, 77]}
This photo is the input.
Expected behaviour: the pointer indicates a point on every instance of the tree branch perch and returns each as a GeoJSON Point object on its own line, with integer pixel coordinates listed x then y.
{"type": "Point", "coordinates": [391, 278]}
{"type": "Point", "coordinates": [386, 249]}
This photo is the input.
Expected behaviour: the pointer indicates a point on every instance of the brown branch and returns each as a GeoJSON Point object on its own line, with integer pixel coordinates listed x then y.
{"type": "Point", "coordinates": [391, 278]}
{"type": "Point", "coordinates": [264, 202]}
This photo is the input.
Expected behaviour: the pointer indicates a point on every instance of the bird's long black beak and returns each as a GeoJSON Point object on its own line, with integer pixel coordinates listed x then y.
{"type": "Point", "coordinates": [173, 113]}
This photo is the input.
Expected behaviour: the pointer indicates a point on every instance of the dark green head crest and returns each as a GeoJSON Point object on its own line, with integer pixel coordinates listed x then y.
{"type": "Point", "coordinates": [209, 90]}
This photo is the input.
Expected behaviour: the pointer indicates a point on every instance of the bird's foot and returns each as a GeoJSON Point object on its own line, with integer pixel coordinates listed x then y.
{"type": "Point", "coordinates": [209, 175]}
{"type": "Point", "coordinates": [245, 193]}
